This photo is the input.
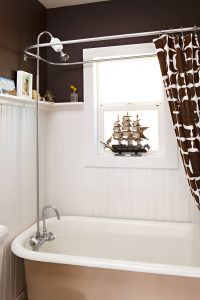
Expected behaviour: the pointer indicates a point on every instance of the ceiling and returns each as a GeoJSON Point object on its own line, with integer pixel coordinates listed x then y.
{"type": "Point", "coordinates": [60, 3]}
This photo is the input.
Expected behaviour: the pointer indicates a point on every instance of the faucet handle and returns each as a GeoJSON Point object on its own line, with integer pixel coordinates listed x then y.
{"type": "Point", "coordinates": [48, 236]}
{"type": "Point", "coordinates": [36, 242]}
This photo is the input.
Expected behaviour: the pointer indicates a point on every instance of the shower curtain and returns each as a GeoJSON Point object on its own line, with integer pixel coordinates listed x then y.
{"type": "Point", "coordinates": [179, 58]}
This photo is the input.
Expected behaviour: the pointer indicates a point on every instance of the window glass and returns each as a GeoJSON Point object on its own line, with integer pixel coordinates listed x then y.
{"type": "Point", "coordinates": [129, 80]}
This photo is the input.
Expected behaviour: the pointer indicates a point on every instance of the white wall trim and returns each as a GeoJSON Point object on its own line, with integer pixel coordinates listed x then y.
{"type": "Point", "coordinates": [68, 105]}
{"type": "Point", "coordinates": [18, 101]}
{"type": "Point", "coordinates": [48, 106]}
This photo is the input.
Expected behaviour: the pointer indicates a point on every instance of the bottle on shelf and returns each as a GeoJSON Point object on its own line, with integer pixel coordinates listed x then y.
{"type": "Point", "coordinates": [74, 94]}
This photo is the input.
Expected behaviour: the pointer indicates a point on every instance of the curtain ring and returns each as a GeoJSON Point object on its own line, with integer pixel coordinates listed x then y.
{"type": "Point", "coordinates": [195, 30]}
{"type": "Point", "coordinates": [182, 32]}
{"type": "Point", "coordinates": [172, 32]}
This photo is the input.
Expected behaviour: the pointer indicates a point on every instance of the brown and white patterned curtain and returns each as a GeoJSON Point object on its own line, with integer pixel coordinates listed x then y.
{"type": "Point", "coordinates": [179, 59]}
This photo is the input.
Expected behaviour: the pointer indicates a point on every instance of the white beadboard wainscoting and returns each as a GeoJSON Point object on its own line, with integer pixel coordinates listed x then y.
{"type": "Point", "coordinates": [66, 182]}
{"type": "Point", "coordinates": [157, 194]}
{"type": "Point", "coordinates": [17, 184]}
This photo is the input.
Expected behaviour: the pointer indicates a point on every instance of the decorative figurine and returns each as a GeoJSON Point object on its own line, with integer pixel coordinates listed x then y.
{"type": "Point", "coordinates": [34, 95]}
{"type": "Point", "coordinates": [128, 136]}
{"type": "Point", "coordinates": [49, 96]}
{"type": "Point", "coordinates": [74, 94]}
{"type": "Point", "coordinates": [13, 92]}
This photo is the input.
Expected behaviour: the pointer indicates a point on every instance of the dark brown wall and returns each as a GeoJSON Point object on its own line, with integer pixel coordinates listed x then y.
{"type": "Point", "coordinates": [20, 23]}
{"type": "Point", "coordinates": [110, 18]}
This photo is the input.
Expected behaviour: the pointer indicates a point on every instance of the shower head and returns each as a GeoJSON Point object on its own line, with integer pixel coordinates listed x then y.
{"type": "Point", "coordinates": [63, 56]}
{"type": "Point", "coordinates": [55, 44]}
{"type": "Point", "coordinates": [57, 47]}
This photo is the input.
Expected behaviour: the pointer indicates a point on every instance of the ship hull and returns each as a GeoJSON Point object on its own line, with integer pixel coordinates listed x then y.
{"type": "Point", "coordinates": [120, 149]}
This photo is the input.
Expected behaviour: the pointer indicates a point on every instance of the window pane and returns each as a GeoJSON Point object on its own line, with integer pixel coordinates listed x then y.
{"type": "Point", "coordinates": [148, 118]}
{"type": "Point", "coordinates": [130, 80]}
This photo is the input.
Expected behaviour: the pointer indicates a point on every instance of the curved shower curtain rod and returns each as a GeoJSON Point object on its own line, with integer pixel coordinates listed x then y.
{"type": "Point", "coordinates": [27, 53]}
{"type": "Point", "coordinates": [57, 45]}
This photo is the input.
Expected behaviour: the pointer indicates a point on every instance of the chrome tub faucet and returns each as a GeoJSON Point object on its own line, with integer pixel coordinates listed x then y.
{"type": "Point", "coordinates": [48, 236]}
{"type": "Point", "coordinates": [36, 241]}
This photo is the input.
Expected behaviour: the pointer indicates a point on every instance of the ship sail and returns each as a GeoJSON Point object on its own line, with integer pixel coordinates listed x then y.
{"type": "Point", "coordinates": [138, 130]}
{"type": "Point", "coordinates": [142, 129]}
{"type": "Point", "coordinates": [126, 129]}
{"type": "Point", "coordinates": [117, 133]}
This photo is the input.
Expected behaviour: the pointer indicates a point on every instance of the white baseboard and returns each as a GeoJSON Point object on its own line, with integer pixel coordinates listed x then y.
{"type": "Point", "coordinates": [22, 295]}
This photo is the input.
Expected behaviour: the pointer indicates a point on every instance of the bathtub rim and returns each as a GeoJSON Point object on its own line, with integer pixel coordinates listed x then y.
{"type": "Point", "coordinates": [17, 247]}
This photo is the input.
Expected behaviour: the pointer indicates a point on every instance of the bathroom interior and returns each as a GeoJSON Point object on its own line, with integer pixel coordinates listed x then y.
{"type": "Point", "coordinates": [125, 226]}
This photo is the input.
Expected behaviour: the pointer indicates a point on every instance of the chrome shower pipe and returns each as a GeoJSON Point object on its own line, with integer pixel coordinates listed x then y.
{"type": "Point", "coordinates": [37, 132]}
{"type": "Point", "coordinates": [98, 39]}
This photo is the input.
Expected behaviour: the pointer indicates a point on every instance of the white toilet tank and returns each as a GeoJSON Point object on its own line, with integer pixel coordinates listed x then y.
{"type": "Point", "coordinates": [3, 234]}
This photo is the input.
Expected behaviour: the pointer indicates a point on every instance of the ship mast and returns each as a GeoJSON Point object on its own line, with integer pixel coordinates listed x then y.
{"type": "Point", "coordinates": [138, 131]}
{"type": "Point", "coordinates": [126, 129]}
{"type": "Point", "coordinates": [117, 133]}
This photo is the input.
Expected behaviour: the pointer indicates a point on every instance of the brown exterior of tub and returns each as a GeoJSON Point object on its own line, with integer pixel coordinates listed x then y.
{"type": "Point", "coordinates": [48, 281]}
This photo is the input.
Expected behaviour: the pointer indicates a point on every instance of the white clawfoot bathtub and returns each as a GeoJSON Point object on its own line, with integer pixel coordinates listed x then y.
{"type": "Point", "coordinates": [112, 259]}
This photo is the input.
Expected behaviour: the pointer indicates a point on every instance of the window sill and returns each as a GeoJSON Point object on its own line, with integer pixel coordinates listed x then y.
{"type": "Point", "coordinates": [148, 161]}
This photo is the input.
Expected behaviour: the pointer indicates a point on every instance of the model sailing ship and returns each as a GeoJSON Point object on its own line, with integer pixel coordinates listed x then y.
{"type": "Point", "coordinates": [128, 136]}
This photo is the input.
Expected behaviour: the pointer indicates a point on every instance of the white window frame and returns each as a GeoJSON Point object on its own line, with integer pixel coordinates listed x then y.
{"type": "Point", "coordinates": [166, 157]}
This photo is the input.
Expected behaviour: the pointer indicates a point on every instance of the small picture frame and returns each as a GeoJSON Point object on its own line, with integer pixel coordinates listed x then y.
{"type": "Point", "coordinates": [24, 84]}
{"type": "Point", "coordinates": [6, 85]}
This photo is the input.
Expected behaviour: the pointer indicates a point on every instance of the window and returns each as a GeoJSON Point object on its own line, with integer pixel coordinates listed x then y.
{"type": "Point", "coordinates": [129, 85]}
{"type": "Point", "coordinates": [133, 85]}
